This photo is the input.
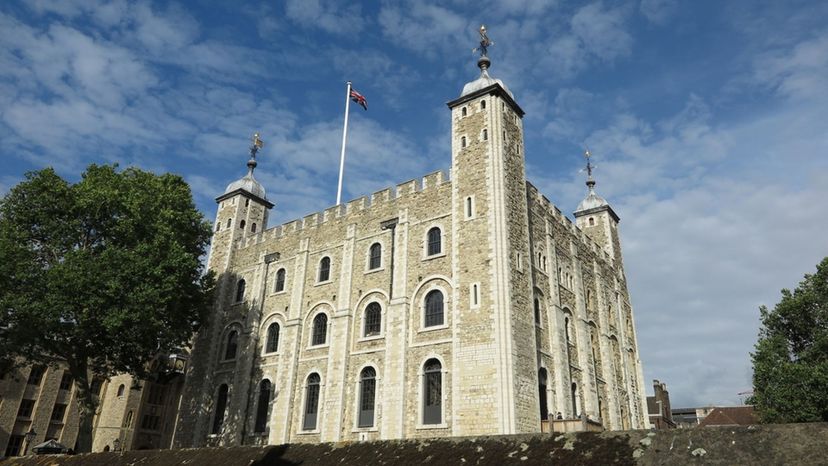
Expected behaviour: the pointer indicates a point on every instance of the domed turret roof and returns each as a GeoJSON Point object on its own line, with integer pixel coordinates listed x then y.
{"type": "Point", "coordinates": [484, 80]}
{"type": "Point", "coordinates": [591, 201]}
{"type": "Point", "coordinates": [247, 183]}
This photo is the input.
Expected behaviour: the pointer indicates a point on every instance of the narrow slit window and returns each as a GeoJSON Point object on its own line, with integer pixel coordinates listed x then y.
{"type": "Point", "coordinates": [482, 105]}
{"type": "Point", "coordinates": [463, 111]}
{"type": "Point", "coordinates": [485, 135]}
{"type": "Point", "coordinates": [463, 141]}
{"type": "Point", "coordinates": [469, 207]}
{"type": "Point", "coordinates": [475, 295]}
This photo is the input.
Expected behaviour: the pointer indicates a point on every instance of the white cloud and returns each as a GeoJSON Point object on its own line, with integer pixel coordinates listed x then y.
{"type": "Point", "coordinates": [602, 31]}
{"type": "Point", "coordinates": [328, 15]}
{"type": "Point", "coordinates": [658, 11]}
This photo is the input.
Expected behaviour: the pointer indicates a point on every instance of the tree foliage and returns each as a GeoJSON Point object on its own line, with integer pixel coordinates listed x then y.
{"type": "Point", "coordinates": [102, 275]}
{"type": "Point", "coordinates": [790, 365]}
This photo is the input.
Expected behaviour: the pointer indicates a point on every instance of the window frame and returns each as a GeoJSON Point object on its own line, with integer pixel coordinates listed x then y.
{"type": "Point", "coordinates": [424, 310]}
{"type": "Point", "coordinates": [314, 332]}
{"type": "Point", "coordinates": [262, 417]}
{"type": "Point", "coordinates": [268, 339]}
{"type": "Point", "coordinates": [361, 412]}
{"type": "Point", "coordinates": [279, 283]}
{"type": "Point", "coordinates": [222, 400]}
{"type": "Point", "coordinates": [305, 428]}
{"type": "Point", "coordinates": [241, 288]}
{"type": "Point", "coordinates": [226, 348]}
{"type": "Point", "coordinates": [422, 395]}
{"type": "Point", "coordinates": [379, 331]}
{"type": "Point", "coordinates": [428, 243]}
{"type": "Point", "coordinates": [320, 268]}
{"type": "Point", "coordinates": [371, 265]}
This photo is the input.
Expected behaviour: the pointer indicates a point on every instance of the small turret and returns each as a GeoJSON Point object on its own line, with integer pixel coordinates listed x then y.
{"type": "Point", "coordinates": [596, 218]}
{"type": "Point", "coordinates": [242, 211]}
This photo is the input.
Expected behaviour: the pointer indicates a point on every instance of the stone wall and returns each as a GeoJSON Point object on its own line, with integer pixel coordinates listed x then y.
{"type": "Point", "coordinates": [801, 444]}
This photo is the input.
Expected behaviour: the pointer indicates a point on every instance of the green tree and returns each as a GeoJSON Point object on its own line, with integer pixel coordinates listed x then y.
{"type": "Point", "coordinates": [101, 275]}
{"type": "Point", "coordinates": [790, 365]}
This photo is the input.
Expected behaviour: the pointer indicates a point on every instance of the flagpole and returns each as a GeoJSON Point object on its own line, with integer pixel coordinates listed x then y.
{"type": "Point", "coordinates": [344, 138]}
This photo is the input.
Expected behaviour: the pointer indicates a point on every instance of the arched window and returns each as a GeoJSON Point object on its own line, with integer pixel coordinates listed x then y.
{"type": "Point", "coordinates": [232, 345]}
{"type": "Point", "coordinates": [229, 222]}
{"type": "Point", "coordinates": [485, 135]}
{"type": "Point", "coordinates": [263, 407]}
{"type": "Point", "coordinates": [242, 224]}
{"type": "Point", "coordinates": [482, 105]}
{"type": "Point", "coordinates": [218, 226]}
{"type": "Point", "coordinates": [537, 311]}
{"type": "Point", "coordinates": [311, 402]}
{"type": "Point", "coordinates": [240, 291]}
{"type": "Point", "coordinates": [128, 420]}
{"type": "Point", "coordinates": [221, 406]}
{"type": "Point", "coordinates": [373, 319]}
{"type": "Point", "coordinates": [120, 390]}
{"type": "Point", "coordinates": [544, 409]}
{"type": "Point", "coordinates": [432, 392]}
{"type": "Point", "coordinates": [434, 241]}
{"type": "Point", "coordinates": [272, 344]}
{"type": "Point", "coordinates": [463, 111]}
{"type": "Point", "coordinates": [320, 329]}
{"type": "Point", "coordinates": [253, 228]}
{"type": "Point", "coordinates": [434, 308]}
{"type": "Point", "coordinates": [463, 141]}
{"type": "Point", "coordinates": [591, 221]}
{"type": "Point", "coordinates": [375, 254]}
{"type": "Point", "coordinates": [325, 269]}
{"type": "Point", "coordinates": [367, 395]}
{"type": "Point", "coordinates": [567, 330]}
{"type": "Point", "coordinates": [280, 281]}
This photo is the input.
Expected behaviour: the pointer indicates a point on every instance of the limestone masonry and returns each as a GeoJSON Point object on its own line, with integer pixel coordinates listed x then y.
{"type": "Point", "coordinates": [446, 307]}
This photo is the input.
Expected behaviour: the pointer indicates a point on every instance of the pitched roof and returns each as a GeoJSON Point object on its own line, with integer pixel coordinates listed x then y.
{"type": "Point", "coordinates": [731, 416]}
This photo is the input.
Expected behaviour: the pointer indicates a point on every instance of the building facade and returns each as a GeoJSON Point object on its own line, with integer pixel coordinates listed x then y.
{"type": "Point", "coordinates": [444, 307]}
{"type": "Point", "coordinates": [132, 414]}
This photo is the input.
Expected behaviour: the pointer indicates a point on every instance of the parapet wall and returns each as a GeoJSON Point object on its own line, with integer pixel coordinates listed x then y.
{"type": "Point", "coordinates": [800, 444]}
{"type": "Point", "coordinates": [362, 204]}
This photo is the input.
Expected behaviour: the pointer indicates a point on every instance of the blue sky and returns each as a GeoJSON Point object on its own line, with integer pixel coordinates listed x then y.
{"type": "Point", "coordinates": [707, 120]}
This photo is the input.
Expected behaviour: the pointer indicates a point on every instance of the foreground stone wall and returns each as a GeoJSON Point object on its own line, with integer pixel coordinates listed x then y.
{"type": "Point", "coordinates": [801, 444]}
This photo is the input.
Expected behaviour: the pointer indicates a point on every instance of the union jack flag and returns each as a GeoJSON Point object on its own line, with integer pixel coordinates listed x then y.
{"type": "Point", "coordinates": [358, 98]}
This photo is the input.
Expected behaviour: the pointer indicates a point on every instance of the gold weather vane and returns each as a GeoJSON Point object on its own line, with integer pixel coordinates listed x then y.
{"type": "Point", "coordinates": [257, 144]}
{"type": "Point", "coordinates": [485, 42]}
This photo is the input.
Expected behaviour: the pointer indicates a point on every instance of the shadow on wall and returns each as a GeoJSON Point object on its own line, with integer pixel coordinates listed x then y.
{"type": "Point", "coordinates": [232, 318]}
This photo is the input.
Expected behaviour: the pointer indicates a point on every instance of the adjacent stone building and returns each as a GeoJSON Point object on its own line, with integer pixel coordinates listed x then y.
{"type": "Point", "coordinates": [132, 414]}
{"type": "Point", "coordinates": [444, 307]}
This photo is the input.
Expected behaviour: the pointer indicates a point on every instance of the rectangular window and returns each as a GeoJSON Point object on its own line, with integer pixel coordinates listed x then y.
{"type": "Point", "coordinates": [14, 446]}
{"type": "Point", "coordinates": [66, 381]}
{"type": "Point", "coordinates": [36, 375]}
{"type": "Point", "coordinates": [58, 412]}
{"type": "Point", "coordinates": [26, 408]}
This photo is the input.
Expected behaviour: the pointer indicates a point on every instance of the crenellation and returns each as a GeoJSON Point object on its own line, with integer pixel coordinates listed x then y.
{"type": "Point", "coordinates": [381, 196]}
{"type": "Point", "coordinates": [357, 205]}
{"type": "Point", "coordinates": [407, 187]}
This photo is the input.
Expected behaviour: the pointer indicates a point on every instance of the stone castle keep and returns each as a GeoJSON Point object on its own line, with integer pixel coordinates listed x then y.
{"type": "Point", "coordinates": [447, 307]}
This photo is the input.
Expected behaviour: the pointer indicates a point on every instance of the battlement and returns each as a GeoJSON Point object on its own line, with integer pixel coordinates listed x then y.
{"type": "Point", "coordinates": [351, 209]}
